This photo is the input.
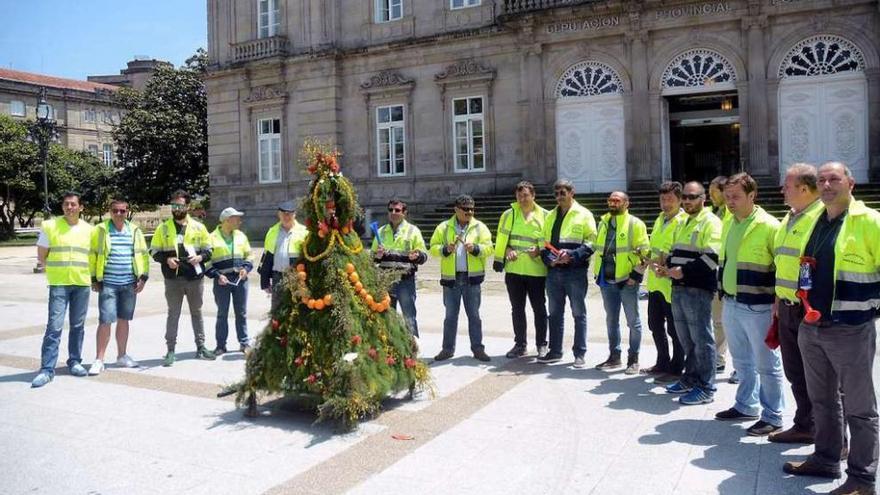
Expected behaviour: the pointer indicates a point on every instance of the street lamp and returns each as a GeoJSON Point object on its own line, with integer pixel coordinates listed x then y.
{"type": "Point", "coordinates": [43, 132]}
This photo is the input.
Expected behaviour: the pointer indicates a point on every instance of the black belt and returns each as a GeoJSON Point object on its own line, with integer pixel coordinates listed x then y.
{"type": "Point", "coordinates": [790, 303]}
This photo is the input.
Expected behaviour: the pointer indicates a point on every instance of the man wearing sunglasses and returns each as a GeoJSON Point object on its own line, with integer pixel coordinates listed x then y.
{"type": "Point", "coordinates": [569, 233]}
{"type": "Point", "coordinates": [692, 265]}
{"type": "Point", "coordinates": [120, 265]}
{"type": "Point", "coordinates": [181, 245]}
{"type": "Point", "coordinates": [463, 244]}
{"type": "Point", "coordinates": [400, 246]}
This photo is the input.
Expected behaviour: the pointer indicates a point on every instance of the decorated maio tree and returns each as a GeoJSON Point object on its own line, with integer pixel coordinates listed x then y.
{"type": "Point", "coordinates": [333, 336]}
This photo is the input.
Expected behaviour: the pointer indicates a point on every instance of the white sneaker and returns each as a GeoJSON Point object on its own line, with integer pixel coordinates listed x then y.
{"type": "Point", "coordinates": [96, 368]}
{"type": "Point", "coordinates": [125, 361]}
{"type": "Point", "coordinates": [579, 362]}
{"type": "Point", "coordinates": [543, 350]}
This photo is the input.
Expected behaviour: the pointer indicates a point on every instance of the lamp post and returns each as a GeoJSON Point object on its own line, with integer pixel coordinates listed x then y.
{"type": "Point", "coordinates": [42, 132]}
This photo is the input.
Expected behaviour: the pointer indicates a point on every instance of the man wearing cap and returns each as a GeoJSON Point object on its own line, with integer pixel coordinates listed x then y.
{"type": "Point", "coordinates": [463, 244]}
{"type": "Point", "coordinates": [286, 236]}
{"type": "Point", "coordinates": [231, 261]}
{"type": "Point", "coordinates": [181, 246]}
{"type": "Point", "coordinates": [63, 248]}
{"type": "Point", "coordinates": [400, 246]}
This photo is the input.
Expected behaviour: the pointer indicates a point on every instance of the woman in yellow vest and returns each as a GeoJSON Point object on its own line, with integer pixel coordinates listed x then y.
{"type": "Point", "coordinates": [231, 262]}
{"type": "Point", "coordinates": [518, 253]}
{"type": "Point", "coordinates": [63, 248]}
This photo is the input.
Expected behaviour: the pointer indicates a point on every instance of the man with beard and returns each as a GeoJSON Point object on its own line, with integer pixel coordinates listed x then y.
{"type": "Point", "coordinates": [181, 245]}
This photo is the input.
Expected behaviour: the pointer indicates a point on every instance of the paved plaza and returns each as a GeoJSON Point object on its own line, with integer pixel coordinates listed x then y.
{"type": "Point", "coordinates": [508, 426]}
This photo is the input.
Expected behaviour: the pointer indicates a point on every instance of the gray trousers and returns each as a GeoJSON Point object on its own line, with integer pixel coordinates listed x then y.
{"type": "Point", "coordinates": [175, 290]}
{"type": "Point", "coordinates": [840, 358]}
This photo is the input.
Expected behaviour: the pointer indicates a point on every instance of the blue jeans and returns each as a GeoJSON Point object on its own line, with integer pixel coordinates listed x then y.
{"type": "Point", "coordinates": [60, 298]}
{"type": "Point", "coordinates": [116, 302]}
{"type": "Point", "coordinates": [570, 283]}
{"type": "Point", "coordinates": [452, 297]}
{"type": "Point", "coordinates": [222, 295]}
{"type": "Point", "coordinates": [628, 296]}
{"type": "Point", "coordinates": [692, 312]}
{"type": "Point", "coordinates": [758, 367]}
{"type": "Point", "coordinates": [404, 292]}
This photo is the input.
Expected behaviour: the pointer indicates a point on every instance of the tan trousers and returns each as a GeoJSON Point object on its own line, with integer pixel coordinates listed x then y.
{"type": "Point", "coordinates": [720, 338]}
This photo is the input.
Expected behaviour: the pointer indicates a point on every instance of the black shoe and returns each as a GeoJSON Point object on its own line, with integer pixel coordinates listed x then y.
{"type": "Point", "coordinates": [219, 351]}
{"type": "Point", "coordinates": [853, 487]}
{"type": "Point", "coordinates": [550, 357]}
{"type": "Point", "coordinates": [444, 355]}
{"type": "Point", "coordinates": [517, 351]}
{"type": "Point", "coordinates": [612, 362]}
{"type": "Point", "coordinates": [810, 468]}
{"type": "Point", "coordinates": [734, 379]}
{"type": "Point", "coordinates": [733, 415]}
{"type": "Point", "coordinates": [481, 355]}
{"type": "Point", "coordinates": [761, 429]}
{"type": "Point", "coordinates": [720, 368]}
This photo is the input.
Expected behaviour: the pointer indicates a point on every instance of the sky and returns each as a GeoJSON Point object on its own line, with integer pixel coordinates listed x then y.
{"type": "Point", "coordinates": [79, 38]}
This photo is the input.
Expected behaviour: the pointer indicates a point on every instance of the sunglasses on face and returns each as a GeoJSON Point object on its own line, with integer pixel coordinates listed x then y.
{"type": "Point", "coordinates": [466, 209]}
{"type": "Point", "coordinates": [395, 210]}
{"type": "Point", "coordinates": [178, 207]}
{"type": "Point", "coordinates": [119, 211]}
{"type": "Point", "coordinates": [691, 197]}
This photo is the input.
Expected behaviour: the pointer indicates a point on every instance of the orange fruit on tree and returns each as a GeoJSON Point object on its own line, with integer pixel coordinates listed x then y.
{"type": "Point", "coordinates": [319, 304]}
{"type": "Point", "coordinates": [311, 304]}
{"type": "Point", "coordinates": [354, 277]}
{"type": "Point", "coordinates": [328, 299]}
{"type": "Point", "coordinates": [349, 268]}
{"type": "Point", "coordinates": [369, 299]}
{"type": "Point", "coordinates": [358, 286]}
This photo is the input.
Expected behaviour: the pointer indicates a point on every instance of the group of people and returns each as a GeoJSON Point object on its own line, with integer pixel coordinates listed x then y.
{"type": "Point", "coordinates": [797, 296]}
{"type": "Point", "coordinates": [112, 259]}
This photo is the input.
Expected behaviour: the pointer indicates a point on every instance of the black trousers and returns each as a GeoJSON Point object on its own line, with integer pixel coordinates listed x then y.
{"type": "Point", "coordinates": [790, 318]}
{"type": "Point", "coordinates": [661, 324]}
{"type": "Point", "coordinates": [518, 288]}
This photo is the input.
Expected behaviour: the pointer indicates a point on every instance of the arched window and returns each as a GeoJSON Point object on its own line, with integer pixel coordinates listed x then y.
{"type": "Point", "coordinates": [822, 55]}
{"type": "Point", "coordinates": [698, 68]}
{"type": "Point", "coordinates": [588, 79]}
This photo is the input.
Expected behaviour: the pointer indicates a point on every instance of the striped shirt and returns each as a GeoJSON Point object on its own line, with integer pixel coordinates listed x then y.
{"type": "Point", "coordinates": [119, 269]}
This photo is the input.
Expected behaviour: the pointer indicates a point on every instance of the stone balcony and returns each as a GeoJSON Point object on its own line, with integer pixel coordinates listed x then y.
{"type": "Point", "coordinates": [260, 48]}
{"type": "Point", "coordinates": [510, 7]}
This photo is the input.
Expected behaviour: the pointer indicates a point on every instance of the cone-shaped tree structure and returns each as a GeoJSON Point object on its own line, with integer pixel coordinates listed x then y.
{"type": "Point", "coordinates": [334, 336]}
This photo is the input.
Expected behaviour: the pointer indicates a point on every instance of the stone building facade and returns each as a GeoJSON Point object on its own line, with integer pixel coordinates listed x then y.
{"type": "Point", "coordinates": [431, 98]}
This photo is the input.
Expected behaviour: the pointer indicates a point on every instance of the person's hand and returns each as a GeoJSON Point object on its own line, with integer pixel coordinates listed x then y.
{"type": "Point", "coordinates": [96, 286]}
{"type": "Point", "coordinates": [564, 257]}
{"type": "Point", "coordinates": [675, 273]}
{"type": "Point", "coordinates": [222, 280]}
{"type": "Point", "coordinates": [242, 274]}
{"type": "Point", "coordinates": [414, 255]}
{"type": "Point", "coordinates": [194, 260]}
{"type": "Point", "coordinates": [534, 251]}
{"type": "Point", "coordinates": [380, 251]}
{"type": "Point", "coordinates": [511, 254]}
{"type": "Point", "coordinates": [450, 248]}
{"type": "Point", "coordinates": [661, 271]}
{"type": "Point", "coordinates": [630, 282]}
{"type": "Point", "coordinates": [469, 247]}
{"type": "Point", "coordinates": [139, 286]}
{"type": "Point", "coordinates": [173, 263]}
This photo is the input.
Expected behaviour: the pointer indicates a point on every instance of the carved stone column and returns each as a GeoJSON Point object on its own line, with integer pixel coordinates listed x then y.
{"type": "Point", "coordinates": [758, 162]}
{"type": "Point", "coordinates": [639, 124]}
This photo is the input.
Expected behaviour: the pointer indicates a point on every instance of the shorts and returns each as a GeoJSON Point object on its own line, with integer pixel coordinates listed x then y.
{"type": "Point", "coordinates": [116, 302]}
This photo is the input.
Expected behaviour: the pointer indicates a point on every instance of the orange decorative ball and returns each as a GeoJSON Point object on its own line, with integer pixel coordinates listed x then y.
{"type": "Point", "coordinates": [362, 292]}
{"type": "Point", "coordinates": [311, 304]}
{"type": "Point", "coordinates": [319, 304]}
{"type": "Point", "coordinates": [354, 277]}
{"type": "Point", "coordinates": [349, 268]}
{"type": "Point", "coordinates": [305, 300]}
{"type": "Point", "coordinates": [358, 287]}
{"type": "Point", "coordinates": [369, 299]}
{"type": "Point", "coordinates": [386, 299]}
{"type": "Point", "coordinates": [300, 267]}
{"type": "Point", "coordinates": [345, 229]}
{"type": "Point", "coordinates": [328, 300]}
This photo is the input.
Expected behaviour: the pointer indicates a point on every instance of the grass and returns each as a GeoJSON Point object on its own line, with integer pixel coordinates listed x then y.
{"type": "Point", "coordinates": [21, 240]}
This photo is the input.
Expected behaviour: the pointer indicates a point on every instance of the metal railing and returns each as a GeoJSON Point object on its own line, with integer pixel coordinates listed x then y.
{"type": "Point", "coordinates": [260, 48]}
{"type": "Point", "coordinates": [521, 6]}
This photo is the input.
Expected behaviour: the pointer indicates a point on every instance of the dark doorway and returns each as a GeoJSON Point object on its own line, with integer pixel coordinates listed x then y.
{"type": "Point", "coordinates": [704, 136]}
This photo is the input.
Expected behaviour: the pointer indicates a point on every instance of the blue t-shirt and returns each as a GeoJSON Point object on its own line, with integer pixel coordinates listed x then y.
{"type": "Point", "coordinates": [119, 269]}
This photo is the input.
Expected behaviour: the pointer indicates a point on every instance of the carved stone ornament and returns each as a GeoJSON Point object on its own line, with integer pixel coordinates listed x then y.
{"type": "Point", "coordinates": [464, 68]}
{"type": "Point", "coordinates": [386, 79]}
{"type": "Point", "coordinates": [262, 93]}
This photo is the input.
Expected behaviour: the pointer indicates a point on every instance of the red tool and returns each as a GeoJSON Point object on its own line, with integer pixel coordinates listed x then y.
{"type": "Point", "coordinates": [812, 315]}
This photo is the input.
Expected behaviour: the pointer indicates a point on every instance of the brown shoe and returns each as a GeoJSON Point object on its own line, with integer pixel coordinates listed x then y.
{"type": "Point", "coordinates": [854, 487]}
{"type": "Point", "coordinates": [810, 468]}
{"type": "Point", "coordinates": [792, 435]}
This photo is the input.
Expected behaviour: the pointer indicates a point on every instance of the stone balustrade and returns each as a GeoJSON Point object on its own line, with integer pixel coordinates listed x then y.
{"type": "Point", "coordinates": [260, 48]}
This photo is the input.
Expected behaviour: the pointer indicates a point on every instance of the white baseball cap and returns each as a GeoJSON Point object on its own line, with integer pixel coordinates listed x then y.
{"type": "Point", "coordinates": [230, 212]}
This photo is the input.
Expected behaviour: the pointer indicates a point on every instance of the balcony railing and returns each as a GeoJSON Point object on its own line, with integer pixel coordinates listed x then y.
{"type": "Point", "coordinates": [521, 6]}
{"type": "Point", "coordinates": [260, 48]}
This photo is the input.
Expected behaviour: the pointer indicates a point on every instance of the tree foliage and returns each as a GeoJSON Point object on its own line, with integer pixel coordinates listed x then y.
{"type": "Point", "coordinates": [163, 137]}
{"type": "Point", "coordinates": [21, 177]}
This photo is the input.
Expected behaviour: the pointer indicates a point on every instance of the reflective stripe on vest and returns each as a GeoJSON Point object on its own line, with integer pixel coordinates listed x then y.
{"type": "Point", "coordinates": [791, 239]}
{"type": "Point", "coordinates": [68, 260]}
